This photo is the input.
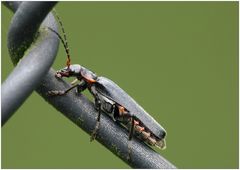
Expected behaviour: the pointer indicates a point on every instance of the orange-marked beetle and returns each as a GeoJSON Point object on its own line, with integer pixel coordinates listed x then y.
{"type": "Point", "coordinates": [111, 99]}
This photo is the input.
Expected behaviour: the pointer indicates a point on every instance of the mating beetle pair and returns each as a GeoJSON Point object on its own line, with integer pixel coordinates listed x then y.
{"type": "Point", "coordinates": [111, 99]}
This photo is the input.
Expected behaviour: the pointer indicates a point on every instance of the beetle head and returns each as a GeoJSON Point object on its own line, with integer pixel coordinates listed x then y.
{"type": "Point", "coordinates": [71, 71]}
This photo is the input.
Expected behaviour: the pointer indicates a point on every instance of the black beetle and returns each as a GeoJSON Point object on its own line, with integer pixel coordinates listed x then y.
{"type": "Point", "coordinates": [111, 99]}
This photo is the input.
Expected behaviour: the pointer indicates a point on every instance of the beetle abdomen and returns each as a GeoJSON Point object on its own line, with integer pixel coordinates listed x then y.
{"type": "Point", "coordinates": [111, 90]}
{"type": "Point", "coordinates": [122, 115]}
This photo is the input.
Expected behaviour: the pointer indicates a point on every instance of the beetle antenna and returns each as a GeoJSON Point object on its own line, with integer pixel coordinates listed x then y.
{"type": "Point", "coordinates": [62, 40]}
{"type": "Point", "coordinates": [65, 42]}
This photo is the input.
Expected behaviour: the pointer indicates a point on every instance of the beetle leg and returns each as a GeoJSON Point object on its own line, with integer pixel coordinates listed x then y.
{"type": "Point", "coordinates": [98, 107]}
{"type": "Point", "coordinates": [80, 87]}
{"type": "Point", "coordinates": [131, 129]}
{"type": "Point", "coordinates": [74, 81]}
{"type": "Point", "coordinates": [130, 135]}
{"type": "Point", "coordinates": [60, 92]}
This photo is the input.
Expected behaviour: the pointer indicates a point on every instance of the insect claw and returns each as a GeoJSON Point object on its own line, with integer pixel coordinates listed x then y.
{"type": "Point", "coordinates": [129, 150]}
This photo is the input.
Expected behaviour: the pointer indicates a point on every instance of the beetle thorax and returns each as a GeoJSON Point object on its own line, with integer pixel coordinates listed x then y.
{"type": "Point", "coordinates": [75, 69]}
{"type": "Point", "coordinates": [88, 75]}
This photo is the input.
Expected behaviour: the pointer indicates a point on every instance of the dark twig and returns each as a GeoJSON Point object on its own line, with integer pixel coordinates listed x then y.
{"type": "Point", "coordinates": [81, 111]}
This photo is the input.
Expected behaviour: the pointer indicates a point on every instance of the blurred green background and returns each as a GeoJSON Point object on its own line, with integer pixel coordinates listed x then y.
{"type": "Point", "coordinates": [179, 60]}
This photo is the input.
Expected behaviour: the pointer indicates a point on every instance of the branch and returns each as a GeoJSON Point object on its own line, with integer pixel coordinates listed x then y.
{"type": "Point", "coordinates": [81, 111]}
{"type": "Point", "coordinates": [29, 72]}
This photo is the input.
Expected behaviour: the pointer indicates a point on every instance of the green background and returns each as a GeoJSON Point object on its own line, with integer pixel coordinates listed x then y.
{"type": "Point", "coordinates": [179, 60]}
